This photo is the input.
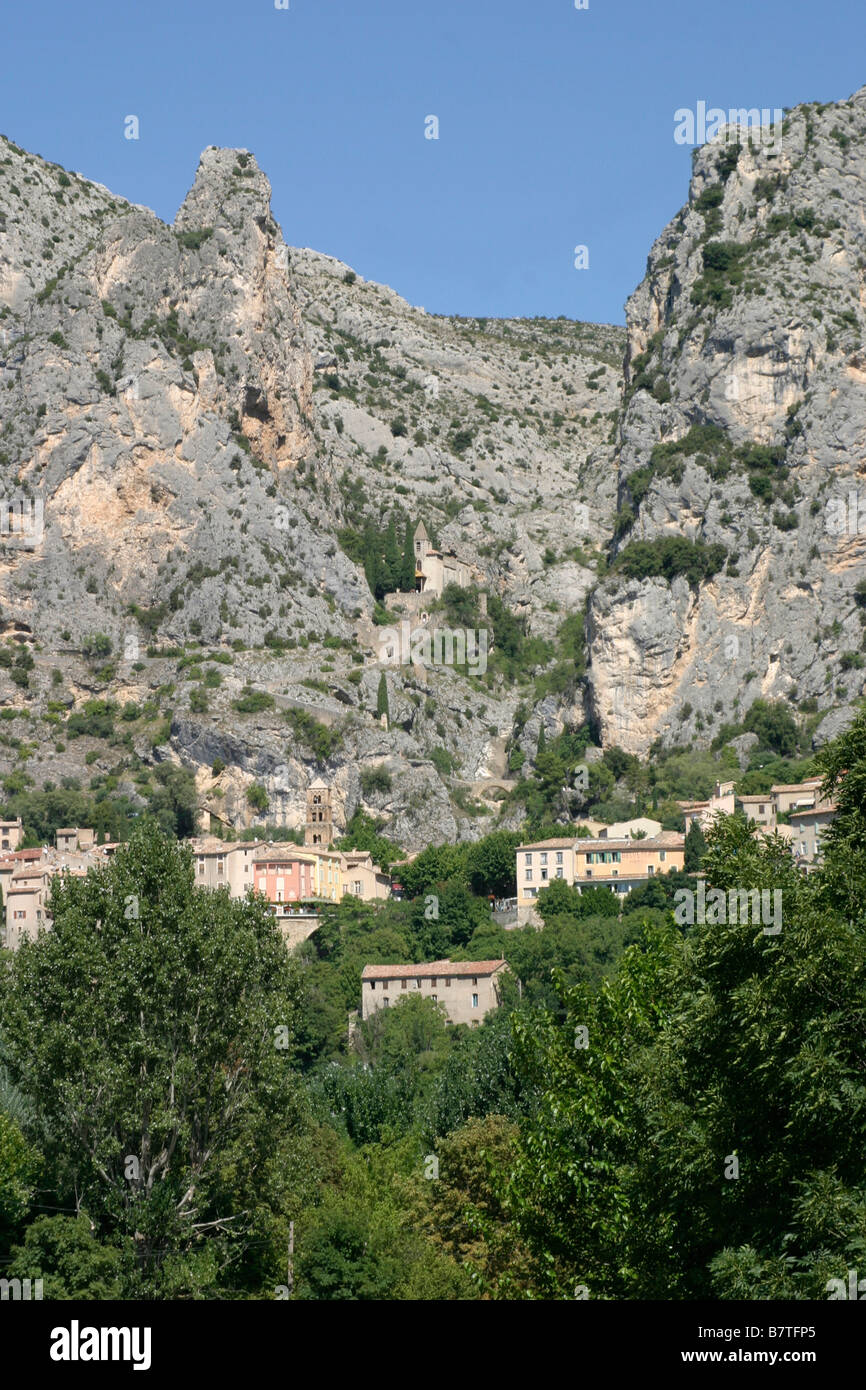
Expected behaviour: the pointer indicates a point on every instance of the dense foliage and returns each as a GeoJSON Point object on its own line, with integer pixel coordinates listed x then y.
{"type": "Point", "coordinates": [656, 1110]}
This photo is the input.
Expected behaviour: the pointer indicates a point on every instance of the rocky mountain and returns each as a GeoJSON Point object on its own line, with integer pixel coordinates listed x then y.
{"type": "Point", "coordinates": [208, 420]}
{"type": "Point", "coordinates": [204, 430]}
{"type": "Point", "coordinates": [744, 434]}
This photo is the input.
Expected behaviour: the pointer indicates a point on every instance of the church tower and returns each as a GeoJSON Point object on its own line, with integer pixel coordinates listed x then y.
{"type": "Point", "coordinates": [319, 829]}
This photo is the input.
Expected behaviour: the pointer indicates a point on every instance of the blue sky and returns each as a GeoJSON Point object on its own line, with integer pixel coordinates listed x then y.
{"type": "Point", "coordinates": [555, 124]}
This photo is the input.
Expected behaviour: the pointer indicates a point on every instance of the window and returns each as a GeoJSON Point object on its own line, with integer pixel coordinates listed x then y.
{"type": "Point", "coordinates": [662, 854]}
{"type": "Point", "coordinates": [559, 856]}
{"type": "Point", "coordinates": [433, 997]}
{"type": "Point", "coordinates": [475, 1001]}
{"type": "Point", "coordinates": [372, 984]}
{"type": "Point", "coordinates": [544, 875]}
{"type": "Point", "coordinates": [385, 984]}
{"type": "Point", "coordinates": [544, 858]}
{"type": "Point", "coordinates": [475, 979]}
{"type": "Point", "coordinates": [404, 984]}
{"type": "Point", "coordinates": [559, 873]}
{"type": "Point", "coordinates": [433, 984]}
{"type": "Point", "coordinates": [385, 1002]}
{"type": "Point", "coordinates": [528, 875]}
{"type": "Point", "coordinates": [761, 810]}
{"type": "Point", "coordinates": [419, 982]}
{"type": "Point", "coordinates": [650, 870]}
{"type": "Point", "coordinates": [527, 858]}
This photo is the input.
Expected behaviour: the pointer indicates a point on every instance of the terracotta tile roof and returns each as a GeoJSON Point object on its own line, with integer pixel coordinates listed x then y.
{"type": "Point", "coordinates": [668, 839]}
{"type": "Point", "coordinates": [822, 808]}
{"type": "Point", "coordinates": [460, 968]}
{"type": "Point", "coordinates": [809, 785]}
{"type": "Point", "coordinates": [550, 844]}
{"type": "Point", "coordinates": [287, 855]}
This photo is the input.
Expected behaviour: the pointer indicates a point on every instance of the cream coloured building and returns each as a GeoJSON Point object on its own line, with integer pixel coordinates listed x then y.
{"type": "Point", "coordinates": [720, 802]}
{"type": "Point", "coordinates": [224, 863]}
{"type": "Point", "coordinates": [362, 878]}
{"type": "Point", "coordinates": [11, 834]}
{"type": "Point", "coordinates": [639, 828]}
{"type": "Point", "coordinates": [618, 864]}
{"type": "Point", "coordinates": [467, 989]}
{"type": "Point", "coordinates": [808, 829]}
{"type": "Point", "coordinates": [436, 569]}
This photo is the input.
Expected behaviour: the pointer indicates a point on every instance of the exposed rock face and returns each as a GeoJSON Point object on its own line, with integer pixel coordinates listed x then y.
{"type": "Point", "coordinates": [750, 319]}
{"type": "Point", "coordinates": [206, 418]}
{"type": "Point", "coordinates": [200, 411]}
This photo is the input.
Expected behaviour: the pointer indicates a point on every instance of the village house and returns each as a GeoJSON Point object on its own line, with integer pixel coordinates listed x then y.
{"type": "Point", "coordinates": [618, 864]}
{"type": "Point", "coordinates": [224, 864]}
{"type": "Point", "coordinates": [808, 827]}
{"type": "Point", "coordinates": [285, 875]}
{"type": "Point", "coordinates": [25, 877]}
{"type": "Point", "coordinates": [797, 796]}
{"type": "Point", "coordinates": [25, 908]}
{"type": "Point", "coordinates": [11, 834]}
{"type": "Point", "coordinates": [362, 878]}
{"type": "Point", "coordinates": [468, 990]}
{"type": "Point", "coordinates": [72, 838]}
{"type": "Point", "coordinates": [760, 810]}
{"type": "Point", "coordinates": [781, 800]}
{"type": "Point", "coordinates": [720, 802]}
{"type": "Point", "coordinates": [638, 829]}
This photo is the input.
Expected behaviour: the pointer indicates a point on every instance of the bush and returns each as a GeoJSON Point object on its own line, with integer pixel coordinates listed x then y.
{"type": "Point", "coordinates": [669, 556]}
{"type": "Point", "coordinates": [95, 719]}
{"type": "Point", "coordinates": [375, 779]}
{"type": "Point", "coordinates": [257, 797]}
{"type": "Point", "coordinates": [96, 647]}
{"type": "Point", "coordinates": [774, 724]}
{"type": "Point", "coordinates": [322, 740]}
{"type": "Point", "coordinates": [253, 701]}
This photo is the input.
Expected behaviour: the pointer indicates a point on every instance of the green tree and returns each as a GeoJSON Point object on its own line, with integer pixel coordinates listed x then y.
{"type": "Point", "coordinates": [19, 1169]}
{"type": "Point", "coordinates": [142, 1027]}
{"type": "Point", "coordinates": [695, 848]}
{"type": "Point", "coordinates": [382, 698]}
{"type": "Point", "coordinates": [70, 1260]}
{"type": "Point", "coordinates": [407, 572]}
{"type": "Point", "coordinates": [490, 863]}
{"type": "Point", "coordinates": [393, 560]}
{"type": "Point", "coordinates": [774, 724]}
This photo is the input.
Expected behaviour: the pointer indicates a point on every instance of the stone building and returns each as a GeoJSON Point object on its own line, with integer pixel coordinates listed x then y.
{"type": "Point", "coordinates": [809, 827]}
{"type": "Point", "coordinates": [436, 569]}
{"type": "Point", "coordinates": [720, 803]}
{"type": "Point", "coordinates": [11, 834]}
{"type": "Point", "coordinates": [69, 839]}
{"type": "Point", "coordinates": [468, 989]}
{"type": "Point", "coordinates": [362, 878]}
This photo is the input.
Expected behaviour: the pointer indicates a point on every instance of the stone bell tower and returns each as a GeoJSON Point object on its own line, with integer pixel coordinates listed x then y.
{"type": "Point", "coordinates": [319, 829]}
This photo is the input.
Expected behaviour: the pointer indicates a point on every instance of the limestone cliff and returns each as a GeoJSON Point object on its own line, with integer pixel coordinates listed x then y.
{"type": "Point", "coordinates": [744, 428]}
